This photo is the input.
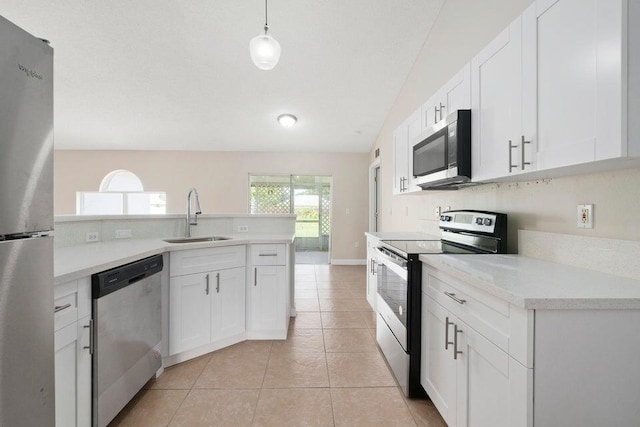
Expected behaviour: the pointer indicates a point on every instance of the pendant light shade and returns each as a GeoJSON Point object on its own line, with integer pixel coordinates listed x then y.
{"type": "Point", "coordinates": [264, 49]}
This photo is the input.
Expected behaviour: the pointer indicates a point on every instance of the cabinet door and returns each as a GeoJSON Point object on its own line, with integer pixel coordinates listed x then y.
{"type": "Point", "coordinates": [414, 134]}
{"type": "Point", "coordinates": [430, 112]}
{"type": "Point", "coordinates": [493, 390]}
{"type": "Point", "coordinates": [66, 363]}
{"type": "Point", "coordinates": [400, 158]}
{"type": "Point", "coordinates": [228, 303]}
{"type": "Point", "coordinates": [83, 401]}
{"type": "Point", "coordinates": [456, 94]}
{"type": "Point", "coordinates": [190, 308]}
{"type": "Point", "coordinates": [437, 366]}
{"type": "Point", "coordinates": [496, 103]}
{"type": "Point", "coordinates": [372, 285]}
{"type": "Point", "coordinates": [269, 299]}
{"type": "Point", "coordinates": [572, 80]}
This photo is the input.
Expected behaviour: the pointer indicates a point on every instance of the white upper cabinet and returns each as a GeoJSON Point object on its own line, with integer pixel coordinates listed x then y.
{"type": "Point", "coordinates": [454, 95]}
{"type": "Point", "coordinates": [415, 130]}
{"type": "Point", "coordinates": [572, 77]}
{"type": "Point", "coordinates": [496, 103]}
{"type": "Point", "coordinates": [400, 157]}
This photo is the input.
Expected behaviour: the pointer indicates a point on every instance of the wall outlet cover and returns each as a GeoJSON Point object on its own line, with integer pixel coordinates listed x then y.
{"type": "Point", "coordinates": [585, 216]}
{"type": "Point", "coordinates": [93, 236]}
{"type": "Point", "coordinates": [437, 212]}
{"type": "Point", "coordinates": [243, 228]}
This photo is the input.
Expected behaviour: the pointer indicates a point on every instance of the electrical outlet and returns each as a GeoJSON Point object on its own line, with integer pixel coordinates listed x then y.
{"type": "Point", "coordinates": [243, 228]}
{"type": "Point", "coordinates": [93, 236]}
{"type": "Point", "coordinates": [356, 244]}
{"type": "Point", "coordinates": [585, 216]}
{"type": "Point", "coordinates": [123, 234]}
{"type": "Point", "coordinates": [447, 208]}
{"type": "Point", "coordinates": [437, 212]}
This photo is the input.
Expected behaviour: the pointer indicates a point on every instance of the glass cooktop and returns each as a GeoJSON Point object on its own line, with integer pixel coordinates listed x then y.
{"type": "Point", "coordinates": [424, 247]}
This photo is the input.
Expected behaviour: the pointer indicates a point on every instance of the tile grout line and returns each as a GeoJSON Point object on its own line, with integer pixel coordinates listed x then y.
{"type": "Point", "coordinates": [255, 409]}
{"type": "Point", "coordinates": [188, 392]}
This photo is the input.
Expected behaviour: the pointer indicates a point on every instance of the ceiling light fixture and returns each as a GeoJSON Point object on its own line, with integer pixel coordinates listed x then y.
{"type": "Point", "coordinates": [287, 120]}
{"type": "Point", "coordinates": [264, 49]}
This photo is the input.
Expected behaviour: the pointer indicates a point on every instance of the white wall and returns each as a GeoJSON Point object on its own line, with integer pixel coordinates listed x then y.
{"type": "Point", "coordinates": [222, 179]}
{"type": "Point", "coordinates": [463, 28]}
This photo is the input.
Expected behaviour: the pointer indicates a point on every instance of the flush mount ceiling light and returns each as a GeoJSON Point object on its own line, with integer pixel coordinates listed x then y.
{"type": "Point", "coordinates": [264, 49]}
{"type": "Point", "coordinates": [287, 120]}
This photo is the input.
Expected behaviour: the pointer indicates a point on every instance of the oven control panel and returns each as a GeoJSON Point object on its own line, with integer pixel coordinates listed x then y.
{"type": "Point", "coordinates": [469, 221]}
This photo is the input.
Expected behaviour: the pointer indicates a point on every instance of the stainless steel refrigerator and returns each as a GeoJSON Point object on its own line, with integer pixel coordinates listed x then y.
{"type": "Point", "coordinates": [26, 220]}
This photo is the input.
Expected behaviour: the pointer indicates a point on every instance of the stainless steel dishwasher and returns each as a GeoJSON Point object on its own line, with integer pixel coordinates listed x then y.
{"type": "Point", "coordinates": [126, 333]}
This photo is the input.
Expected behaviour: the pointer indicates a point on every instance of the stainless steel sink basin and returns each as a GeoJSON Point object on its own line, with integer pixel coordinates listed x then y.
{"type": "Point", "coordinates": [196, 239]}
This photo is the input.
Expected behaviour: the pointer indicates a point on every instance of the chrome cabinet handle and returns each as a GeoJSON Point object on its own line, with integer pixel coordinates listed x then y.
{"type": "Point", "coordinates": [456, 352]}
{"type": "Point", "coordinates": [401, 184]}
{"type": "Point", "coordinates": [58, 308]}
{"type": "Point", "coordinates": [255, 276]}
{"type": "Point", "coordinates": [207, 288]}
{"type": "Point", "coordinates": [446, 333]}
{"type": "Point", "coordinates": [267, 254]}
{"type": "Point", "coordinates": [91, 341]}
{"type": "Point", "coordinates": [435, 114]}
{"type": "Point", "coordinates": [522, 146]}
{"type": "Point", "coordinates": [511, 165]}
{"type": "Point", "coordinates": [453, 297]}
{"type": "Point", "coordinates": [217, 283]}
{"type": "Point", "coordinates": [441, 108]}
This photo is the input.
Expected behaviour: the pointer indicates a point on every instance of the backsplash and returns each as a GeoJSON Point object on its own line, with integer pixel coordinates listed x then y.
{"type": "Point", "coordinates": [72, 230]}
{"type": "Point", "coordinates": [618, 257]}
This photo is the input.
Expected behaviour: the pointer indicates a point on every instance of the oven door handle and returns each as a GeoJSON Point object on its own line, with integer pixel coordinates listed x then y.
{"type": "Point", "coordinates": [398, 267]}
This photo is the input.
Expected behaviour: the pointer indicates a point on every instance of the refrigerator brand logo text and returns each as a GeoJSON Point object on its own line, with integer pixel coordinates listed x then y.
{"type": "Point", "coordinates": [30, 73]}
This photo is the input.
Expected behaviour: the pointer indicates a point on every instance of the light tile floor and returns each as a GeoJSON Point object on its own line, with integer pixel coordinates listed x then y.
{"type": "Point", "coordinates": [329, 371]}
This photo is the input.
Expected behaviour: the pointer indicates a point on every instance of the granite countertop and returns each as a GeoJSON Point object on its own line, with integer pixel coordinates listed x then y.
{"type": "Point", "coordinates": [400, 235]}
{"type": "Point", "coordinates": [534, 284]}
{"type": "Point", "coordinates": [74, 262]}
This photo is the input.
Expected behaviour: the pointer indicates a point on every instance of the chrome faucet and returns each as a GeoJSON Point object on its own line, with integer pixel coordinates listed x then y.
{"type": "Point", "coordinates": [187, 230]}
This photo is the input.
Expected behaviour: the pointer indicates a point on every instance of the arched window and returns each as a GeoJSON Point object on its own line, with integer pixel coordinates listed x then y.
{"type": "Point", "coordinates": [121, 193]}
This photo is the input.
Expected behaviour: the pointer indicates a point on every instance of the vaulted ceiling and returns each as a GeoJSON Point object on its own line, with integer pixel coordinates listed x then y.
{"type": "Point", "coordinates": [177, 75]}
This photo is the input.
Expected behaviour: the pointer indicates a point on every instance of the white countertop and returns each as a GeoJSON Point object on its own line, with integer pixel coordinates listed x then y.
{"type": "Point", "coordinates": [84, 260]}
{"type": "Point", "coordinates": [400, 235]}
{"type": "Point", "coordinates": [534, 284]}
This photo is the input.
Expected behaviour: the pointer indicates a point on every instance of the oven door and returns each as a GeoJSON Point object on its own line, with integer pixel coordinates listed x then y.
{"type": "Point", "coordinates": [393, 293]}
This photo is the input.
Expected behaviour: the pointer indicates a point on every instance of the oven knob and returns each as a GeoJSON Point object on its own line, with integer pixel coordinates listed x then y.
{"type": "Point", "coordinates": [479, 221]}
{"type": "Point", "coordinates": [449, 218]}
{"type": "Point", "coordinates": [442, 218]}
{"type": "Point", "coordinates": [487, 221]}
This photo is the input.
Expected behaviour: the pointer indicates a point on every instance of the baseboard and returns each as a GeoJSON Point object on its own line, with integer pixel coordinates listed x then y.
{"type": "Point", "coordinates": [199, 351]}
{"type": "Point", "coordinates": [335, 261]}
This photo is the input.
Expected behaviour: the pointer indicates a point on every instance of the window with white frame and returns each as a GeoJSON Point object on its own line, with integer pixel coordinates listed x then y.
{"type": "Point", "coordinates": [121, 193]}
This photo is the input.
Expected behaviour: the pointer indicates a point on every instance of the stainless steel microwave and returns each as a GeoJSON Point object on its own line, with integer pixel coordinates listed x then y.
{"type": "Point", "coordinates": [442, 158]}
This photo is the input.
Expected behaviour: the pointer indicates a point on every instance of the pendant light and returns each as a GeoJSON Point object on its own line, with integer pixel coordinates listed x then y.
{"type": "Point", "coordinates": [264, 49]}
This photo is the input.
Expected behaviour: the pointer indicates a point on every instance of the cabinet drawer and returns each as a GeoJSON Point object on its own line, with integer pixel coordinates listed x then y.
{"type": "Point", "coordinates": [268, 254]}
{"type": "Point", "coordinates": [65, 301]}
{"type": "Point", "coordinates": [485, 313]}
{"type": "Point", "coordinates": [207, 259]}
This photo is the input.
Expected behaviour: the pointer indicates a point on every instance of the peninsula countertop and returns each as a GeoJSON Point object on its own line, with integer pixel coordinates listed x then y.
{"type": "Point", "coordinates": [74, 262]}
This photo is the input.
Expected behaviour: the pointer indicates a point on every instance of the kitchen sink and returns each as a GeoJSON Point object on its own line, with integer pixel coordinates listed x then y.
{"type": "Point", "coordinates": [196, 239]}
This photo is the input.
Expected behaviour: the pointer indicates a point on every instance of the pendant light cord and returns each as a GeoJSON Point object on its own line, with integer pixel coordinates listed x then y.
{"type": "Point", "coordinates": [266, 20]}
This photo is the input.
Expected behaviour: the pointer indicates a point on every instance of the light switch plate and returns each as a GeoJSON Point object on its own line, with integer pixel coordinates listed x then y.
{"type": "Point", "coordinates": [123, 234]}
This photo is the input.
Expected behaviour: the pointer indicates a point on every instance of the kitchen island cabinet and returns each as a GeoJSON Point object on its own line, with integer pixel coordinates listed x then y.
{"type": "Point", "coordinates": [513, 341]}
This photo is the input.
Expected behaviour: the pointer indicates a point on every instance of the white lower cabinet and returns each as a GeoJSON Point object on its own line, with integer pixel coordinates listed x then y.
{"type": "Point", "coordinates": [268, 292]}
{"type": "Point", "coordinates": [227, 303]}
{"type": "Point", "coordinates": [205, 307]}
{"type": "Point", "coordinates": [190, 312]}
{"type": "Point", "coordinates": [372, 270]}
{"type": "Point", "coordinates": [72, 353]}
{"type": "Point", "coordinates": [471, 381]}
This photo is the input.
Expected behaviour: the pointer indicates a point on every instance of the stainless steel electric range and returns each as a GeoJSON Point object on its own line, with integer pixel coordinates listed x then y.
{"type": "Point", "coordinates": [399, 285]}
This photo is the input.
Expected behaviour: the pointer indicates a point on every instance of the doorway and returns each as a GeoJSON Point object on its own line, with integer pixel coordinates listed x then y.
{"type": "Point", "coordinates": [309, 197]}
